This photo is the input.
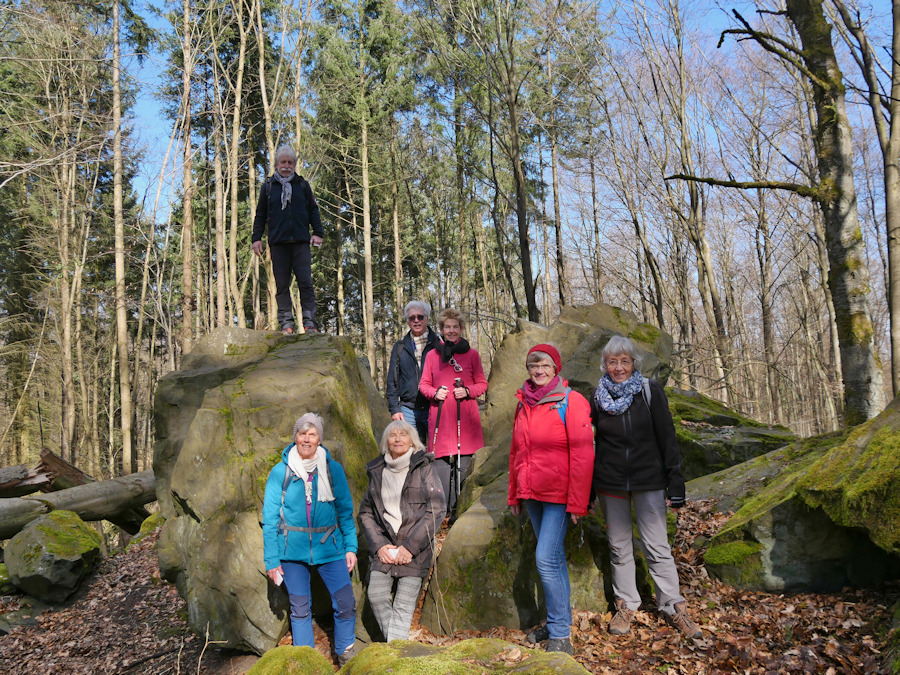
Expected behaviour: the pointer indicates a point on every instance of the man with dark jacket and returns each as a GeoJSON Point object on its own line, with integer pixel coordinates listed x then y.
{"type": "Point", "coordinates": [287, 207]}
{"type": "Point", "coordinates": [405, 370]}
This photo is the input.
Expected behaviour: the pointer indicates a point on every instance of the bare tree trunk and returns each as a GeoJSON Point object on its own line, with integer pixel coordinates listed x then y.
{"type": "Point", "coordinates": [763, 243]}
{"type": "Point", "coordinates": [848, 276]}
{"type": "Point", "coordinates": [595, 217]}
{"type": "Point", "coordinates": [129, 460]}
{"type": "Point", "coordinates": [460, 203]}
{"type": "Point", "coordinates": [234, 168]}
{"type": "Point", "coordinates": [221, 250]}
{"type": "Point", "coordinates": [888, 132]}
{"type": "Point", "coordinates": [187, 186]}
{"type": "Point", "coordinates": [367, 219]}
{"type": "Point", "coordinates": [395, 222]}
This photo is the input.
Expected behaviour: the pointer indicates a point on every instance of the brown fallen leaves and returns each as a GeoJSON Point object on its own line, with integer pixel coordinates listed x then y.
{"type": "Point", "coordinates": [127, 621]}
{"type": "Point", "coordinates": [130, 621]}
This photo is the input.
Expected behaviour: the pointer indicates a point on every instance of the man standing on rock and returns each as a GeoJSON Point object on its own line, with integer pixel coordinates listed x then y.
{"type": "Point", "coordinates": [405, 370]}
{"type": "Point", "coordinates": [287, 207]}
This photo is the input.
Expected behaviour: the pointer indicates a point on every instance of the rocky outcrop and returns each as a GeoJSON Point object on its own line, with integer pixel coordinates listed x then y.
{"type": "Point", "coordinates": [221, 424]}
{"type": "Point", "coordinates": [52, 555]}
{"type": "Point", "coordinates": [818, 515]}
{"type": "Point", "coordinates": [712, 437]}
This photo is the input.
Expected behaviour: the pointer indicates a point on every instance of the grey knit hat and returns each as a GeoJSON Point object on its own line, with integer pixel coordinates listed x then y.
{"type": "Point", "coordinates": [314, 420]}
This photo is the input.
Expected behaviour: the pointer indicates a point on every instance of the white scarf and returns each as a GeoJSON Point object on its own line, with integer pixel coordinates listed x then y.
{"type": "Point", "coordinates": [392, 479]}
{"type": "Point", "coordinates": [286, 189]}
{"type": "Point", "coordinates": [303, 467]}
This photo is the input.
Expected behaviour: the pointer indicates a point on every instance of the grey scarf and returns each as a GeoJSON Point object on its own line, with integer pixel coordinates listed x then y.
{"type": "Point", "coordinates": [286, 189]}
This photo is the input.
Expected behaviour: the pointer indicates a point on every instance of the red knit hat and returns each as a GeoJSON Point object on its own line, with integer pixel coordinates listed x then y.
{"type": "Point", "coordinates": [550, 351]}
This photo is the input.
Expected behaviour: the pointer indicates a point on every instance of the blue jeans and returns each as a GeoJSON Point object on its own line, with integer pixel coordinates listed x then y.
{"type": "Point", "coordinates": [337, 581]}
{"type": "Point", "coordinates": [550, 522]}
{"type": "Point", "coordinates": [418, 419]}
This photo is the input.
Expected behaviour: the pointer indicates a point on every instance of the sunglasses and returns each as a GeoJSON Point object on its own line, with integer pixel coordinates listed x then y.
{"type": "Point", "coordinates": [456, 367]}
{"type": "Point", "coordinates": [416, 317]}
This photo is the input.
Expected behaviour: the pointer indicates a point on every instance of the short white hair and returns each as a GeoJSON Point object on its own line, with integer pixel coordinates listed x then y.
{"type": "Point", "coordinates": [285, 151]}
{"type": "Point", "coordinates": [618, 346]}
{"type": "Point", "coordinates": [417, 304]}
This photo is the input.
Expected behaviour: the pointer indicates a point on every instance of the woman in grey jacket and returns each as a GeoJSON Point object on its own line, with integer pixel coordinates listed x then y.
{"type": "Point", "coordinates": [402, 509]}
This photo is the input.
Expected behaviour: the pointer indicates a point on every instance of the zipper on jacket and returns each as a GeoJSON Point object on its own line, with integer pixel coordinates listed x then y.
{"type": "Point", "coordinates": [626, 428]}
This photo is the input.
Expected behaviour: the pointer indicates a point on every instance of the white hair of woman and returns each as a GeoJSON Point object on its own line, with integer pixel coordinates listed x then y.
{"type": "Point", "coordinates": [618, 346]}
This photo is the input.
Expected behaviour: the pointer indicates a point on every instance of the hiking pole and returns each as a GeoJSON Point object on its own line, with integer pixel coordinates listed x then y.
{"type": "Point", "coordinates": [437, 423]}
{"type": "Point", "coordinates": [457, 383]}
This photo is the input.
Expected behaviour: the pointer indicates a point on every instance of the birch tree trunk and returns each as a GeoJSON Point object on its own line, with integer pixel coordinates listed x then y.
{"type": "Point", "coordinates": [129, 461]}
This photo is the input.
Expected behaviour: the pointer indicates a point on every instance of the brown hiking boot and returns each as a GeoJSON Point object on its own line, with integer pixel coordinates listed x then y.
{"type": "Point", "coordinates": [682, 622]}
{"type": "Point", "coordinates": [621, 622]}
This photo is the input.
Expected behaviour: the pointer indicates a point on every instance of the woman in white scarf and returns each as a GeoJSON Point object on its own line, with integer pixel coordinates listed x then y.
{"type": "Point", "coordinates": [308, 525]}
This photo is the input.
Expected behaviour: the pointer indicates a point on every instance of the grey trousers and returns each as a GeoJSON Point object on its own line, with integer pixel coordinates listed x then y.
{"type": "Point", "coordinates": [394, 617]}
{"type": "Point", "coordinates": [650, 514]}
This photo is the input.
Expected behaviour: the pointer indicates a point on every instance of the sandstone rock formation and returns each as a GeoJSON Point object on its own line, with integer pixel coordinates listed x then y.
{"type": "Point", "coordinates": [221, 424]}
{"type": "Point", "coordinates": [818, 515]}
{"type": "Point", "coordinates": [52, 555]}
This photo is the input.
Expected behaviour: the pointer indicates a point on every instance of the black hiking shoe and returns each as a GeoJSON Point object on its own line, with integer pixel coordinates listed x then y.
{"type": "Point", "coordinates": [538, 635]}
{"type": "Point", "coordinates": [563, 645]}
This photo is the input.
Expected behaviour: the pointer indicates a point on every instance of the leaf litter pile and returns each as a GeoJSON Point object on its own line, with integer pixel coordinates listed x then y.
{"type": "Point", "coordinates": [130, 621]}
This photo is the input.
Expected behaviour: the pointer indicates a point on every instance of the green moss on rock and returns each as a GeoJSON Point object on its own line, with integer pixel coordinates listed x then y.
{"type": "Point", "coordinates": [858, 484]}
{"type": "Point", "coordinates": [152, 523]}
{"type": "Point", "coordinates": [732, 553]}
{"type": "Point", "coordinates": [68, 536]}
{"type": "Point", "coordinates": [646, 333]}
{"type": "Point", "coordinates": [738, 563]}
{"type": "Point", "coordinates": [288, 660]}
{"type": "Point", "coordinates": [476, 657]}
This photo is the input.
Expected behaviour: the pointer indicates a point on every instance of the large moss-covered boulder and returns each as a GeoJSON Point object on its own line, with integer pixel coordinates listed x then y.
{"type": "Point", "coordinates": [52, 555]}
{"type": "Point", "coordinates": [712, 437]}
{"type": "Point", "coordinates": [469, 657]}
{"type": "Point", "coordinates": [818, 515]}
{"type": "Point", "coordinates": [288, 660]}
{"type": "Point", "coordinates": [579, 333]}
{"type": "Point", "coordinates": [221, 423]}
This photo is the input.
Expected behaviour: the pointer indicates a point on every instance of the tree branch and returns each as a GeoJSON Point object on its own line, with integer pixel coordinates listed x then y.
{"type": "Point", "coordinates": [802, 190]}
{"type": "Point", "coordinates": [781, 48]}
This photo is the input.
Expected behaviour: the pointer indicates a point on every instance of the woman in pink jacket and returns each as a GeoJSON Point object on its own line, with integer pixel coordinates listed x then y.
{"type": "Point", "coordinates": [551, 462]}
{"type": "Point", "coordinates": [452, 379]}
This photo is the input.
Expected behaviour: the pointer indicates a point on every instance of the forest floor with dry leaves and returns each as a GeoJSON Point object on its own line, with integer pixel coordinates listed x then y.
{"type": "Point", "coordinates": [128, 620]}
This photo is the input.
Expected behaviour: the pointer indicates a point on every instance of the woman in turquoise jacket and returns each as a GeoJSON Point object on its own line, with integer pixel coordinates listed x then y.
{"type": "Point", "coordinates": [308, 525]}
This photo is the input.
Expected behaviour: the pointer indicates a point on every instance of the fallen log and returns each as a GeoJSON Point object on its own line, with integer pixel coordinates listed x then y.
{"type": "Point", "coordinates": [100, 500]}
{"type": "Point", "coordinates": [16, 481]}
{"type": "Point", "coordinates": [62, 474]}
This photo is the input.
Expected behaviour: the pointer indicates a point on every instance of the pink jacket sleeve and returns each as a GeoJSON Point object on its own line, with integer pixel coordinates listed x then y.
{"type": "Point", "coordinates": [426, 383]}
{"type": "Point", "coordinates": [510, 500]}
{"type": "Point", "coordinates": [581, 454]}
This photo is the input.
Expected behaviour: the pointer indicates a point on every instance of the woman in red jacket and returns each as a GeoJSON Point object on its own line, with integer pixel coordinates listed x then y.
{"type": "Point", "coordinates": [550, 465]}
{"type": "Point", "coordinates": [452, 379]}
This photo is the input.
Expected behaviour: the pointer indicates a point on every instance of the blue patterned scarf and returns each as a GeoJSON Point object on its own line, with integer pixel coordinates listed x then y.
{"type": "Point", "coordinates": [616, 398]}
